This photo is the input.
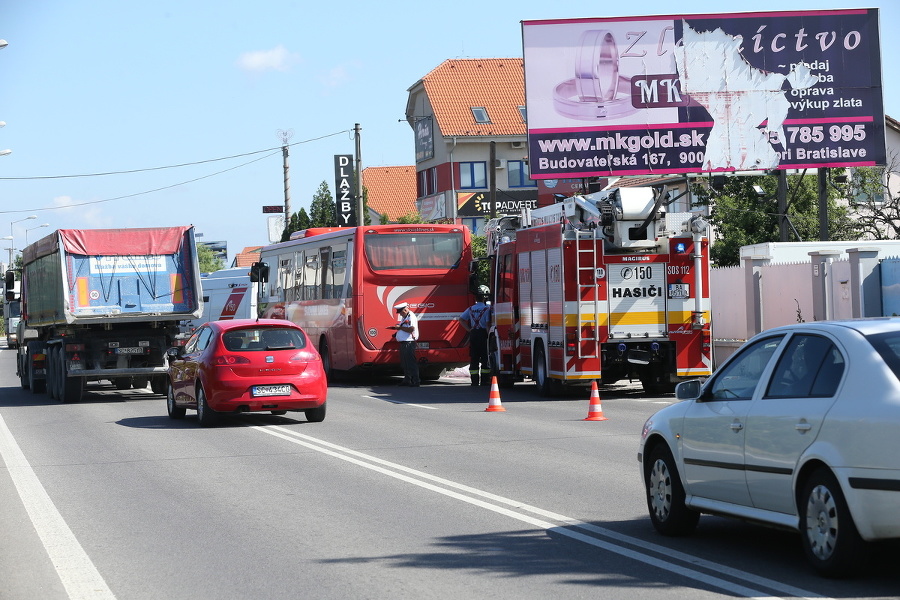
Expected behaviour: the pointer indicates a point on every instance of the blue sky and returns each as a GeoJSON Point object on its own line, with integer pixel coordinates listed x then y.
{"type": "Point", "coordinates": [99, 86]}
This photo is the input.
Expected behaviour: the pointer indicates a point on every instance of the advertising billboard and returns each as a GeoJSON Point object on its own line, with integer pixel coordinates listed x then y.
{"type": "Point", "coordinates": [703, 93]}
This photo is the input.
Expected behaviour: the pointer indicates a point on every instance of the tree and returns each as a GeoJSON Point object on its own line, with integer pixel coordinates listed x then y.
{"type": "Point", "coordinates": [298, 222]}
{"type": "Point", "coordinates": [209, 262]}
{"type": "Point", "coordinates": [742, 217]}
{"type": "Point", "coordinates": [870, 194]}
{"type": "Point", "coordinates": [321, 210]}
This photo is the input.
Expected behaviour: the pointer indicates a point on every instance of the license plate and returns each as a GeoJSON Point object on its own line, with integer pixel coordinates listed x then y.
{"type": "Point", "coordinates": [270, 390]}
{"type": "Point", "coordinates": [129, 350]}
{"type": "Point", "coordinates": [422, 346]}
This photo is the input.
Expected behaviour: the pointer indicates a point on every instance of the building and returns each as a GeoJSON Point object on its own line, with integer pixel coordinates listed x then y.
{"type": "Point", "coordinates": [390, 192]}
{"type": "Point", "coordinates": [468, 116]}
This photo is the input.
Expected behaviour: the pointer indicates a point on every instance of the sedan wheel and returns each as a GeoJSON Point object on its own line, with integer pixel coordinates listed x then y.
{"type": "Point", "coordinates": [830, 539]}
{"type": "Point", "coordinates": [175, 412]}
{"type": "Point", "coordinates": [665, 495]}
{"type": "Point", "coordinates": [205, 415]}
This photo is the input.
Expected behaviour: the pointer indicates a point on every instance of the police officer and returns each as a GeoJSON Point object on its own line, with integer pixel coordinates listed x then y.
{"type": "Point", "coordinates": [476, 319]}
{"type": "Point", "coordinates": [407, 334]}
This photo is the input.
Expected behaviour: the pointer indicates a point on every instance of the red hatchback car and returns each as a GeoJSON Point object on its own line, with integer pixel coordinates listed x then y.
{"type": "Point", "coordinates": [246, 365]}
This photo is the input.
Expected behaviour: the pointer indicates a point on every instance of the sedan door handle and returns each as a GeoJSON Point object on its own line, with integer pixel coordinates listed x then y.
{"type": "Point", "coordinates": [803, 427]}
{"type": "Point", "coordinates": [737, 426]}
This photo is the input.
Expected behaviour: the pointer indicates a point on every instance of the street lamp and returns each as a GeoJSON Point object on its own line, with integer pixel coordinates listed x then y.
{"type": "Point", "coordinates": [32, 229]}
{"type": "Point", "coordinates": [9, 238]}
{"type": "Point", "coordinates": [11, 235]}
{"type": "Point", "coordinates": [3, 124]}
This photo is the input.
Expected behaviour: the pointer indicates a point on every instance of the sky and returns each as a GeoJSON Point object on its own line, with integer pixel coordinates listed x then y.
{"type": "Point", "coordinates": [173, 112]}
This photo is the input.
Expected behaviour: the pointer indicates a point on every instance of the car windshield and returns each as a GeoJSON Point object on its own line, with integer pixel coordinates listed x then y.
{"type": "Point", "coordinates": [888, 346]}
{"type": "Point", "coordinates": [263, 338]}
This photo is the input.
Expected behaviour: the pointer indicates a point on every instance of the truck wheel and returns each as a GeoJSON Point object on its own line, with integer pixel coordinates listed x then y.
{"type": "Point", "coordinates": [38, 386]}
{"type": "Point", "coordinates": [205, 415]}
{"type": "Point", "coordinates": [22, 373]}
{"type": "Point", "coordinates": [52, 375]}
{"type": "Point", "coordinates": [70, 388]}
{"type": "Point", "coordinates": [158, 384]}
{"type": "Point", "coordinates": [541, 373]}
{"type": "Point", "coordinates": [140, 383]}
{"type": "Point", "coordinates": [122, 383]}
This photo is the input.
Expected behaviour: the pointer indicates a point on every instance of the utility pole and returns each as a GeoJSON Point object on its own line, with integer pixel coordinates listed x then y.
{"type": "Point", "coordinates": [492, 174]}
{"type": "Point", "coordinates": [360, 205]}
{"type": "Point", "coordinates": [781, 197]}
{"type": "Point", "coordinates": [823, 204]}
{"type": "Point", "coordinates": [286, 135]}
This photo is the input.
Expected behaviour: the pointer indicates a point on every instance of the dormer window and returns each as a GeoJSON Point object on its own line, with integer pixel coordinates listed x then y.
{"type": "Point", "coordinates": [524, 114]}
{"type": "Point", "coordinates": [480, 114]}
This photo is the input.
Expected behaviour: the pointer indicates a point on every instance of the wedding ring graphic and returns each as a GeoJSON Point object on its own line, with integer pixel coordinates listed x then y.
{"type": "Point", "coordinates": [594, 91]}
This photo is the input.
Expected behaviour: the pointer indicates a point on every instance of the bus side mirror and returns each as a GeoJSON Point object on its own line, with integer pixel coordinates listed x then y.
{"type": "Point", "coordinates": [259, 272]}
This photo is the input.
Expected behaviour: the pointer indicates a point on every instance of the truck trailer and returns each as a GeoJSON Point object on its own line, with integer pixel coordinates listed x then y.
{"type": "Point", "coordinates": [104, 304]}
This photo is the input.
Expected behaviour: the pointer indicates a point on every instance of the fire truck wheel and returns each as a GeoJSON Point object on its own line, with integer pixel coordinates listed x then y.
{"type": "Point", "coordinates": [541, 375]}
{"type": "Point", "coordinates": [139, 383]}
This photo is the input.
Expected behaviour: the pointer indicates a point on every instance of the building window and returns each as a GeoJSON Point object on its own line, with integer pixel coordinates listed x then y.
{"type": "Point", "coordinates": [427, 183]}
{"type": "Point", "coordinates": [472, 175]}
{"type": "Point", "coordinates": [480, 114]}
{"type": "Point", "coordinates": [524, 114]}
{"type": "Point", "coordinates": [517, 171]}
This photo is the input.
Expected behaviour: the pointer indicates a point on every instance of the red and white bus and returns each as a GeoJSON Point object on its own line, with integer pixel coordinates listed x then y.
{"type": "Point", "coordinates": [341, 284]}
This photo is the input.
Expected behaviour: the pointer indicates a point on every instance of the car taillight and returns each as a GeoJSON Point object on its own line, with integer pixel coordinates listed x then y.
{"type": "Point", "coordinates": [226, 360]}
{"type": "Point", "coordinates": [304, 357]}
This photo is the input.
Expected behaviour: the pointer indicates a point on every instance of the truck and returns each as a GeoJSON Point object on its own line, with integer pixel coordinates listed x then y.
{"type": "Point", "coordinates": [227, 294]}
{"type": "Point", "coordinates": [104, 304]}
{"type": "Point", "coordinates": [598, 288]}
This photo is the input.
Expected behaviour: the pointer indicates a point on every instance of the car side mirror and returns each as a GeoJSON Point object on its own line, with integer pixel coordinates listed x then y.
{"type": "Point", "coordinates": [688, 390]}
{"type": "Point", "coordinates": [175, 352]}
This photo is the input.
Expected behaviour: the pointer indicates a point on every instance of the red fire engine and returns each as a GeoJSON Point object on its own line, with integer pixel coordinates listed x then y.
{"type": "Point", "coordinates": [602, 287]}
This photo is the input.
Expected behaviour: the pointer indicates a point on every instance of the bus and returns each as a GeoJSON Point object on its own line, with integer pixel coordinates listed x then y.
{"type": "Point", "coordinates": [341, 284]}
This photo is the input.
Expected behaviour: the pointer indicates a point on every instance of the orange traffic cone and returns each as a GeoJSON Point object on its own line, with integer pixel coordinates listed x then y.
{"type": "Point", "coordinates": [494, 400]}
{"type": "Point", "coordinates": [595, 411]}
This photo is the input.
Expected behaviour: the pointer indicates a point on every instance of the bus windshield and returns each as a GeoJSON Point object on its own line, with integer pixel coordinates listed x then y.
{"type": "Point", "coordinates": [413, 250]}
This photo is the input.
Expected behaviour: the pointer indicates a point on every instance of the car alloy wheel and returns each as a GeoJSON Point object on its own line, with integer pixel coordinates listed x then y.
{"type": "Point", "coordinates": [665, 495]}
{"type": "Point", "coordinates": [830, 538]}
{"type": "Point", "coordinates": [175, 412]}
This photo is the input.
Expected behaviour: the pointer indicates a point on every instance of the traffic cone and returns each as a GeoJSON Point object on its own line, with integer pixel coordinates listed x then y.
{"type": "Point", "coordinates": [595, 411]}
{"type": "Point", "coordinates": [494, 400]}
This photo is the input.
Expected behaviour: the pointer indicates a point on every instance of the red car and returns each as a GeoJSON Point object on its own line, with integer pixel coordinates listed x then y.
{"type": "Point", "coordinates": [246, 365]}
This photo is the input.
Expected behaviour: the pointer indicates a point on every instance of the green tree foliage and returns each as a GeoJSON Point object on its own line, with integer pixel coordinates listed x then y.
{"type": "Point", "coordinates": [321, 210]}
{"type": "Point", "coordinates": [742, 217]}
{"type": "Point", "coordinates": [877, 210]}
{"type": "Point", "coordinates": [299, 221]}
{"type": "Point", "coordinates": [410, 219]}
{"type": "Point", "coordinates": [209, 262]}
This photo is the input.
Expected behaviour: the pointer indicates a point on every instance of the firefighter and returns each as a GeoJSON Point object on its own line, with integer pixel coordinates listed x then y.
{"type": "Point", "coordinates": [476, 319]}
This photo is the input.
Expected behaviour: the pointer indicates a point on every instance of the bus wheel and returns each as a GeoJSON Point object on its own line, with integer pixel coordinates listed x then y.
{"type": "Point", "coordinates": [326, 360]}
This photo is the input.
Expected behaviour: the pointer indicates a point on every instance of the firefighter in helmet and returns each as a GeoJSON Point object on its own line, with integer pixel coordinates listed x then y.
{"type": "Point", "coordinates": [476, 320]}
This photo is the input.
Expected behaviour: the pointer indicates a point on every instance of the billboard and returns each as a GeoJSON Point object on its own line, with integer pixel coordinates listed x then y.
{"type": "Point", "coordinates": [344, 185]}
{"type": "Point", "coordinates": [703, 93]}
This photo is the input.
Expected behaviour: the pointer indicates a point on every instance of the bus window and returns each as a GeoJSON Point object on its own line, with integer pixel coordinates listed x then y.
{"type": "Point", "coordinates": [393, 251]}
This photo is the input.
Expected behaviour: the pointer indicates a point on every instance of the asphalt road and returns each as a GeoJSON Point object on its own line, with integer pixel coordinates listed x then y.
{"type": "Point", "coordinates": [400, 493]}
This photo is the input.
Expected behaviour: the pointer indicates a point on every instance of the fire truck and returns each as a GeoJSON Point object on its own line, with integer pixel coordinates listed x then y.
{"type": "Point", "coordinates": [600, 287]}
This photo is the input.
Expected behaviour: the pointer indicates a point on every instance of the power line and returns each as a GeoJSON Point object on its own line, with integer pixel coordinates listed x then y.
{"type": "Point", "coordinates": [144, 170]}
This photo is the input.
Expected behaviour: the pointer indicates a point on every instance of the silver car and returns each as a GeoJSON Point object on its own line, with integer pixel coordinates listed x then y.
{"type": "Point", "coordinates": [799, 429]}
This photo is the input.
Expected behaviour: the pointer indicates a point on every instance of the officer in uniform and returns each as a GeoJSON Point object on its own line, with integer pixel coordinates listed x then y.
{"type": "Point", "coordinates": [407, 334]}
{"type": "Point", "coordinates": [476, 319]}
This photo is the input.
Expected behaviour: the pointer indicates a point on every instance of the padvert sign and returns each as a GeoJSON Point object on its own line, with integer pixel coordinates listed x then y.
{"type": "Point", "coordinates": [703, 93]}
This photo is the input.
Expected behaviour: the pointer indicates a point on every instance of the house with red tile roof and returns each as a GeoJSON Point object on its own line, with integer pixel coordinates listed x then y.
{"type": "Point", "coordinates": [246, 257]}
{"type": "Point", "coordinates": [468, 116]}
{"type": "Point", "coordinates": [390, 192]}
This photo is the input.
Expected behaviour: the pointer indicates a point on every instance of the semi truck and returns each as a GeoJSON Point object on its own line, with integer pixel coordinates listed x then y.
{"type": "Point", "coordinates": [104, 304]}
{"type": "Point", "coordinates": [600, 287]}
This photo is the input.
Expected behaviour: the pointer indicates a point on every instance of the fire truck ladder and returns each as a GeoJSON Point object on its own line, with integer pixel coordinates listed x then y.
{"type": "Point", "coordinates": [586, 271]}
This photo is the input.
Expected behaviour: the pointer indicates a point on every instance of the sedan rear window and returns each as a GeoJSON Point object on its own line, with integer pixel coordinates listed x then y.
{"type": "Point", "coordinates": [263, 338]}
{"type": "Point", "coordinates": [888, 346]}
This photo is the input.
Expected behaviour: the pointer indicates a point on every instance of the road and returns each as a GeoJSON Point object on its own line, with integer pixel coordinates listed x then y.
{"type": "Point", "coordinates": [400, 493]}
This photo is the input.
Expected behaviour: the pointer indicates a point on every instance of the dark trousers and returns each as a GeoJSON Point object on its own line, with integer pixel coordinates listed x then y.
{"type": "Point", "coordinates": [408, 362]}
{"type": "Point", "coordinates": [479, 361]}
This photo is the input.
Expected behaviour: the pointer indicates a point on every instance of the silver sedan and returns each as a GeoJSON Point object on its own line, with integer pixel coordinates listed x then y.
{"type": "Point", "coordinates": [799, 429]}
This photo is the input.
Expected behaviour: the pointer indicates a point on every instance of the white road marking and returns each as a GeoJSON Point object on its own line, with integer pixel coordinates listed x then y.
{"type": "Point", "coordinates": [78, 574]}
{"type": "Point", "coordinates": [422, 479]}
{"type": "Point", "coordinates": [392, 401]}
